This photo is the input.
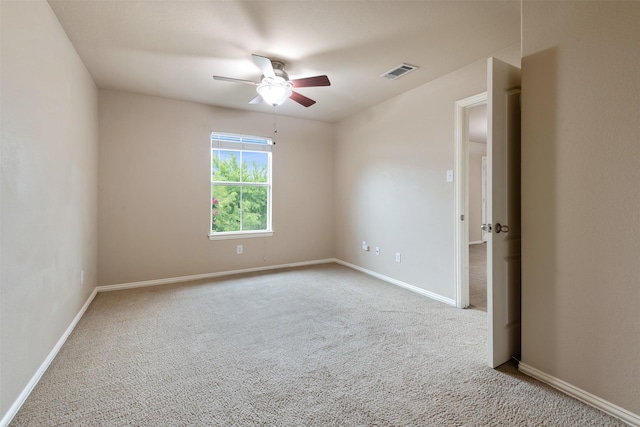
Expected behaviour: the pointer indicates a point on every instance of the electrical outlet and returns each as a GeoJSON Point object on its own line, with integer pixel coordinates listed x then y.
{"type": "Point", "coordinates": [398, 257]}
{"type": "Point", "coordinates": [239, 250]}
{"type": "Point", "coordinates": [82, 278]}
{"type": "Point", "coordinates": [365, 247]}
{"type": "Point", "coordinates": [377, 250]}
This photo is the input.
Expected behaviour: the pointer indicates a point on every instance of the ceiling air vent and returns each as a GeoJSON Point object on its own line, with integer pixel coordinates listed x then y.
{"type": "Point", "coordinates": [398, 71]}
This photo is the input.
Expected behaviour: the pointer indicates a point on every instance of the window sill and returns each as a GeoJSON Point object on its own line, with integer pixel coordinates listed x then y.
{"type": "Point", "coordinates": [240, 235]}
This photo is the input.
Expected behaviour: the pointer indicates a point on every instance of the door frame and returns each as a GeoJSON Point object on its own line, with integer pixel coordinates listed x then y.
{"type": "Point", "coordinates": [461, 218]}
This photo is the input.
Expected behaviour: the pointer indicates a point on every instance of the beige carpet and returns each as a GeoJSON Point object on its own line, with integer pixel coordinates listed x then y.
{"type": "Point", "coordinates": [317, 346]}
{"type": "Point", "coordinates": [478, 276]}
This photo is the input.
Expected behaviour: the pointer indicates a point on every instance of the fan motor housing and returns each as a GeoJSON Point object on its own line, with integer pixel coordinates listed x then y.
{"type": "Point", "coordinates": [278, 69]}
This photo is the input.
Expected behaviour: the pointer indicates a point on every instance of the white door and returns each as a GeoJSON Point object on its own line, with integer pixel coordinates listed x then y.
{"type": "Point", "coordinates": [503, 211]}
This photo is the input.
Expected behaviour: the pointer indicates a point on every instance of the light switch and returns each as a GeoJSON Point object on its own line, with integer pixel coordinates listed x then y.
{"type": "Point", "coordinates": [450, 175]}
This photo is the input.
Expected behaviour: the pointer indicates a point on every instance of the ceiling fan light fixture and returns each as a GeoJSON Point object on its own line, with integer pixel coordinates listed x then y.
{"type": "Point", "coordinates": [274, 90]}
{"type": "Point", "coordinates": [275, 86]}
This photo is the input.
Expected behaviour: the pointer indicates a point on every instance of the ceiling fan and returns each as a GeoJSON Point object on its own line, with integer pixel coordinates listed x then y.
{"type": "Point", "coordinates": [275, 87]}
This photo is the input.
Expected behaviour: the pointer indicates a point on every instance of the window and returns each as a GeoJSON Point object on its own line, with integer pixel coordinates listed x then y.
{"type": "Point", "coordinates": [240, 186]}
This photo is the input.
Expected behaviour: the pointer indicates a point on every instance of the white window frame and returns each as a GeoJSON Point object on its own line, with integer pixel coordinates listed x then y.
{"type": "Point", "coordinates": [243, 143]}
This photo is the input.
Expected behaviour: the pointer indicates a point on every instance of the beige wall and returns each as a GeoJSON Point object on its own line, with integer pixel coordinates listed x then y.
{"type": "Point", "coordinates": [581, 195]}
{"type": "Point", "coordinates": [390, 190]}
{"type": "Point", "coordinates": [390, 166]}
{"type": "Point", "coordinates": [49, 182]}
{"type": "Point", "coordinates": [155, 188]}
{"type": "Point", "coordinates": [476, 151]}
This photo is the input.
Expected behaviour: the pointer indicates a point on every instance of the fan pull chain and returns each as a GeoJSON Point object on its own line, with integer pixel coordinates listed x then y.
{"type": "Point", "coordinates": [275, 125]}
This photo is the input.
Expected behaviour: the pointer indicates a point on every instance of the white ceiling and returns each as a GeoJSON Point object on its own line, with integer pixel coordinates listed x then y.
{"type": "Point", "coordinates": [172, 48]}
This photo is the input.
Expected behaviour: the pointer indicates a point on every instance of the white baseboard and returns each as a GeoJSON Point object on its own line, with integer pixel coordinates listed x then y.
{"type": "Point", "coordinates": [586, 397]}
{"type": "Point", "coordinates": [477, 243]}
{"type": "Point", "coordinates": [13, 410]}
{"type": "Point", "coordinates": [170, 280]}
{"type": "Point", "coordinates": [387, 279]}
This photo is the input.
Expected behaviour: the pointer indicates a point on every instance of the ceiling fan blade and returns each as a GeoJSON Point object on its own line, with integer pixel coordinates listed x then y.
{"type": "Point", "coordinates": [311, 81]}
{"type": "Point", "coordinates": [302, 100]}
{"type": "Point", "coordinates": [264, 64]}
{"type": "Point", "coordinates": [256, 100]}
{"type": "Point", "coordinates": [229, 79]}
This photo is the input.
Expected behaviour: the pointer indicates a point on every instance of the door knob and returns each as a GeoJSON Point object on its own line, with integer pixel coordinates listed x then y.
{"type": "Point", "coordinates": [486, 228]}
{"type": "Point", "coordinates": [501, 228]}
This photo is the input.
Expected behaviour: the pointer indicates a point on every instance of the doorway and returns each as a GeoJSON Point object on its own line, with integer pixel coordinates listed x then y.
{"type": "Point", "coordinates": [476, 205]}
{"type": "Point", "coordinates": [471, 149]}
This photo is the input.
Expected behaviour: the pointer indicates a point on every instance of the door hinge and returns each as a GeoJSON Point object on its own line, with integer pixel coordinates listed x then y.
{"type": "Point", "coordinates": [461, 217]}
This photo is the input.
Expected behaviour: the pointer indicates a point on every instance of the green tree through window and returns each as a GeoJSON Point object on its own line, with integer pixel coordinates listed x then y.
{"type": "Point", "coordinates": [240, 184]}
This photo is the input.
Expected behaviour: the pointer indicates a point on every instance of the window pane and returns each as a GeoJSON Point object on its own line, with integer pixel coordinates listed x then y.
{"type": "Point", "coordinates": [225, 165]}
{"type": "Point", "coordinates": [225, 208]}
{"type": "Point", "coordinates": [254, 208]}
{"type": "Point", "coordinates": [255, 166]}
{"type": "Point", "coordinates": [240, 184]}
